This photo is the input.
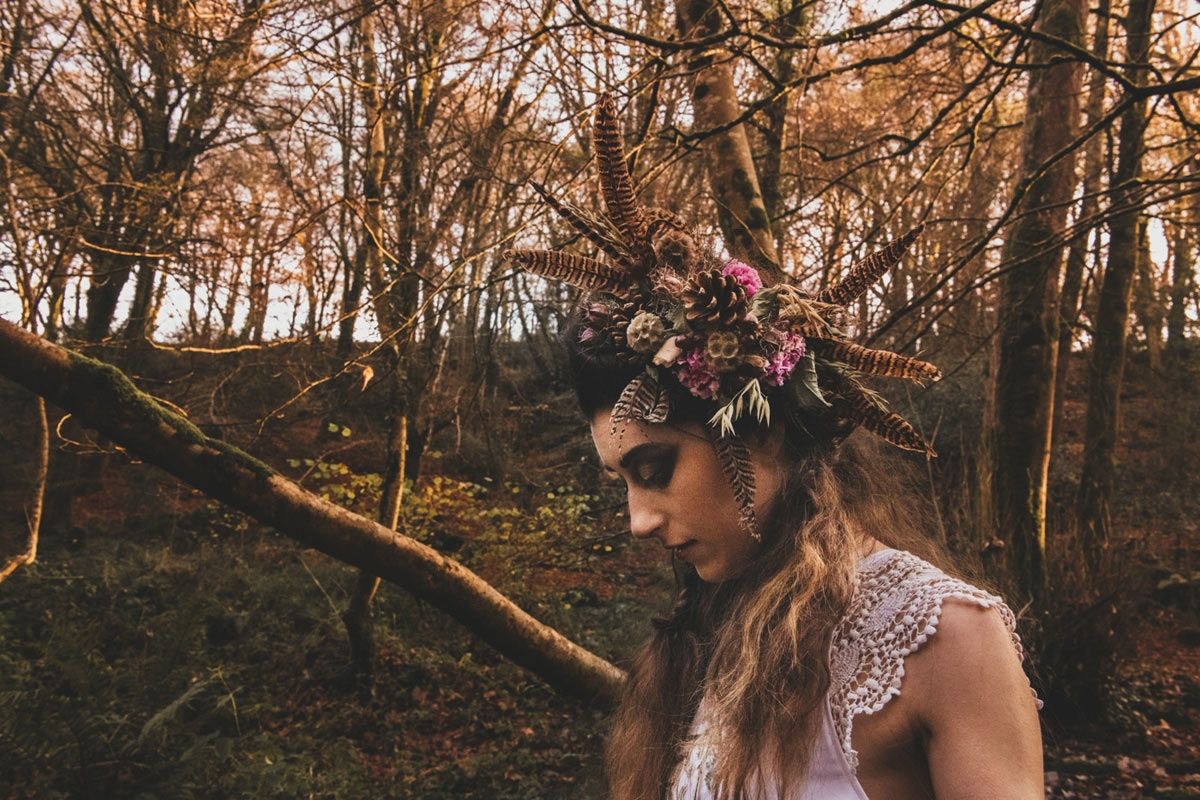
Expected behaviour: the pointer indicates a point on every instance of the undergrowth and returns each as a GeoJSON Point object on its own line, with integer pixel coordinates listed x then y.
{"type": "Point", "coordinates": [206, 658]}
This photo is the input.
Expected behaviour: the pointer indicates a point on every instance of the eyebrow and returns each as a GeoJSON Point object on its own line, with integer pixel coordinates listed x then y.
{"type": "Point", "coordinates": [636, 452]}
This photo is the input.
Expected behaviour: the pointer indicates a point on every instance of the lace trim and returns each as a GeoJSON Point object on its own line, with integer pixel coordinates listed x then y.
{"type": "Point", "coordinates": [895, 610]}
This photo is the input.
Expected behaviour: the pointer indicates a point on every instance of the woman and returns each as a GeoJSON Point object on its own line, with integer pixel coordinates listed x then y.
{"type": "Point", "coordinates": [807, 655]}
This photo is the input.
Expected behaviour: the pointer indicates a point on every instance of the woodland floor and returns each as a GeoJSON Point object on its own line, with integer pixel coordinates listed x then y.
{"type": "Point", "coordinates": [165, 647]}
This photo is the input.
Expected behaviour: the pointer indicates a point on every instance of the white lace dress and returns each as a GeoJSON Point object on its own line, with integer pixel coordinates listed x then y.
{"type": "Point", "coordinates": [894, 611]}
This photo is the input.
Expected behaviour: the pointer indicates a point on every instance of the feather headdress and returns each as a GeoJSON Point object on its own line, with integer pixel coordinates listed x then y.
{"type": "Point", "coordinates": [716, 331]}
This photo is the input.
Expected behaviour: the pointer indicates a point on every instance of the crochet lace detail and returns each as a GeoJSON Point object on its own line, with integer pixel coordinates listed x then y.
{"type": "Point", "coordinates": [894, 611]}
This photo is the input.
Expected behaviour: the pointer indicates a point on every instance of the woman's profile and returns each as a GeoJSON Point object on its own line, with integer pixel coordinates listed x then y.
{"type": "Point", "coordinates": [811, 653]}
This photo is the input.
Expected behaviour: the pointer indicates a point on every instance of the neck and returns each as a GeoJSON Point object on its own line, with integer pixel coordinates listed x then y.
{"type": "Point", "coordinates": [870, 545]}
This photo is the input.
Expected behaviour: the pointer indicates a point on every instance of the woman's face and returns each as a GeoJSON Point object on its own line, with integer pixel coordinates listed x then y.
{"type": "Point", "coordinates": [679, 495]}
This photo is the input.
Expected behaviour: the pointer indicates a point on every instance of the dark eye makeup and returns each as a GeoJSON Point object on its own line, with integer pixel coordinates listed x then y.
{"type": "Point", "coordinates": [655, 468]}
{"type": "Point", "coordinates": [651, 465]}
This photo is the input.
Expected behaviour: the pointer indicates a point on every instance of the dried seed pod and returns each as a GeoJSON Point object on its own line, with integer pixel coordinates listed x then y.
{"type": "Point", "coordinates": [723, 351]}
{"type": "Point", "coordinates": [646, 333]}
{"type": "Point", "coordinates": [674, 250]}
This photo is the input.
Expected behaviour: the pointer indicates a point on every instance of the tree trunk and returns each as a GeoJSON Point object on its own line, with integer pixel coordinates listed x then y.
{"type": "Point", "coordinates": [1028, 318]}
{"type": "Point", "coordinates": [352, 286]}
{"type": "Point", "coordinates": [732, 177]}
{"type": "Point", "coordinates": [1182, 284]}
{"type": "Point", "coordinates": [1106, 370]}
{"type": "Point", "coordinates": [23, 484]}
{"type": "Point", "coordinates": [789, 25]}
{"type": "Point", "coordinates": [109, 274]}
{"type": "Point", "coordinates": [358, 616]}
{"type": "Point", "coordinates": [1086, 218]}
{"type": "Point", "coordinates": [102, 397]}
{"type": "Point", "coordinates": [1148, 308]}
{"type": "Point", "coordinates": [140, 324]}
{"type": "Point", "coordinates": [390, 321]}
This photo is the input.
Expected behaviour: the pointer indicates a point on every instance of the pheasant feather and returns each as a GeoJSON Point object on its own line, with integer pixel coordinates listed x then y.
{"type": "Point", "coordinates": [876, 362]}
{"type": "Point", "coordinates": [883, 423]}
{"type": "Point", "coordinates": [739, 472]}
{"type": "Point", "coordinates": [660, 218]}
{"type": "Point", "coordinates": [579, 271]}
{"type": "Point", "coordinates": [615, 181]}
{"type": "Point", "coordinates": [644, 399]}
{"type": "Point", "coordinates": [579, 223]}
{"type": "Point", "coordinates": [864, 274]}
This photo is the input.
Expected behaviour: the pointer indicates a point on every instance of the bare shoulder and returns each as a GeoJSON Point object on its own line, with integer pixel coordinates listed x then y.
{"type": "Point", "coordinates": [969, 695]}
{"type": "Point", "coordinates": [971, 641]}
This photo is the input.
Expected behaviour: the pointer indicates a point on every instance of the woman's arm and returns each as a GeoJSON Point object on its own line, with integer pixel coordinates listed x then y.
{"type": "Point", "coordinates": [975, 708]}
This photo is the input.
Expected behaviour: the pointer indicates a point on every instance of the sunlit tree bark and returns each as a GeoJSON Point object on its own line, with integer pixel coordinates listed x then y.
{"type": "Point", "coordinates": [1086, 217]}
{"type": "Point", "coordinates": [733, 178]}
{"type": "Point", "coordinates": [1028, 324]}
{"type": "Point", "coordinates": [1106, 369]}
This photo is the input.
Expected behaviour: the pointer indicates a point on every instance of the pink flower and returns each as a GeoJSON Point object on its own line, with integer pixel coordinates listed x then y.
{"type": "Point", "coordinates": [784, 360]}
{"type": "Point", "coordinates": [695, 375]}
{"type": "Point", "coordinates": [746, 275]}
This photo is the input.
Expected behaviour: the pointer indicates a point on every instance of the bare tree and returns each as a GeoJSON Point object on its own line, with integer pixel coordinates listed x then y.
{"type": "Point", "coordinates": [1106, 370]}
{"type": "Point", "coordinates": [1086, 214]}
{"type": "Point", "coordinates": [1028, 326]}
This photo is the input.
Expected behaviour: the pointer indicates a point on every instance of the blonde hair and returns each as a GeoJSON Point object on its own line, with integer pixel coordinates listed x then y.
{"type": "Point", "coordinates": [756, 647]}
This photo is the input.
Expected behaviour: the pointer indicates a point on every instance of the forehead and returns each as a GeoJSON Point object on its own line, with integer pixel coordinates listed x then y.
{"type": "Point", "coordinates": [610, 445]}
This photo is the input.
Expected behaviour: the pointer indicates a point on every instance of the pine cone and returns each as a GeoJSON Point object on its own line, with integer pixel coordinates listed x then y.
{"type": "Point", "coordinates": [611, 316]}
{"type": "Point", "coordinates": [713, 300]}
{"type": "Point", "coordinates": [612, 319]}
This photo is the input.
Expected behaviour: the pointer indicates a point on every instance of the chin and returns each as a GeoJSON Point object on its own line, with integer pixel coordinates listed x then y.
{"type": "Point", "coordinates": [722, 571]}
{"type": "Point", "coordinates": [713, 574]}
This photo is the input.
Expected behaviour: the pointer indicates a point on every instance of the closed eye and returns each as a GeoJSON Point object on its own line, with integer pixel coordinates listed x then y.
{"type": "Point", "coordinates": [655, 472]}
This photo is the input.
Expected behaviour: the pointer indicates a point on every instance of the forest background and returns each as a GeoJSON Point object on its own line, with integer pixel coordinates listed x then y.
{"type": "Point", "coordinates": [255, 246]}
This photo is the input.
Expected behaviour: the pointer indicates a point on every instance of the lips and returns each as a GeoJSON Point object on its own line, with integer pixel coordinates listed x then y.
{"type": "Point", "coordinates": [682, 549]}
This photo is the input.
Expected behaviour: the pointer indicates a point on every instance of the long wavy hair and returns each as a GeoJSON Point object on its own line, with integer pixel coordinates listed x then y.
{"type": "Point", "coordinates": [756, 647]}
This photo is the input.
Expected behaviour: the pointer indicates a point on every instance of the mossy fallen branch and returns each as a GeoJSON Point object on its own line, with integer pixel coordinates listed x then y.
{"type": "Point", "coordinates": [103, 398]}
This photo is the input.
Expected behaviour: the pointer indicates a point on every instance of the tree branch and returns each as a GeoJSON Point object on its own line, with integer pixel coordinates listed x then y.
{"type": "Point", "coordinates": [102, 397]}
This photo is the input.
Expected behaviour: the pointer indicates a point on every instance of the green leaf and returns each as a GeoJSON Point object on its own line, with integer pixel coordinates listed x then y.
{"type": "Point", "coordinates": [765, 303]}
{"type": "Point", "coordinates": [332, 427]}
{"type": "Point", "coordinates": [805, 390]}
{"type": "Point", "coordinates": [345, 431]}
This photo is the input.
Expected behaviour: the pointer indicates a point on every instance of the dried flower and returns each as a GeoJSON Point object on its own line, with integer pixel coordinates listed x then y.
{"type": "Point", "coordinates": [695, 376]}
{"type": "Point", "coordinates": [784, 360]}
{"type": "Point", "coordinates": [674, 249]}
{"type": "Point", "coordinates": [747, 276]}
{"type": "Point", "coordinates": [668, 353]}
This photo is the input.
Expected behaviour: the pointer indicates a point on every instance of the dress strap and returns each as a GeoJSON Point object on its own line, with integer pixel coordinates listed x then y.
{"type": "Point", "coordinates": [895, 609]}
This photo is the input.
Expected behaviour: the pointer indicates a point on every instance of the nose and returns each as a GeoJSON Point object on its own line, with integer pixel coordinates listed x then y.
{"type": "Point", "coordinates": [645, 517]}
